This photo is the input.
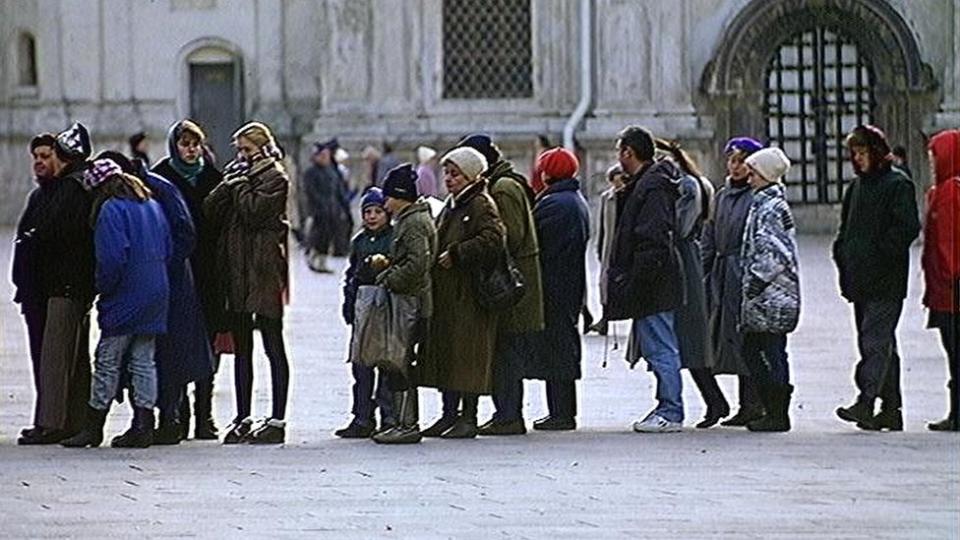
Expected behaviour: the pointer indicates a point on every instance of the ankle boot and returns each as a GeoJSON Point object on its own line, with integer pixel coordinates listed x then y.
{"type": "Point", "coordinates": [466, 425]}
{"type": "Point", "coordinates": [951, 422]}
{"type": "Point", "coordinates": [92, 434]}
{"type": "Point", "coordinates": [407, 430]}
{"type": "Point", "coordinates": [204, 428]}
{"type": "Point", "coordinates": [776, 398]}
{"type": "Point", "coordinates": [751, 407]}
{"type": "Point", "coordinates": [141, 434]}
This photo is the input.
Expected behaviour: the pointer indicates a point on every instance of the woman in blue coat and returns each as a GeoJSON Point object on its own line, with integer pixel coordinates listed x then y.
{"type": "Point", "coordinates": [563, 228]}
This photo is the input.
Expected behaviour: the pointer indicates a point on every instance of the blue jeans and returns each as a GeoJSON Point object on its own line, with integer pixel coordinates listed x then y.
{"type": "Point", "coordinates": [112, 352]}
{"type": "Point", "coordinates": [658, 345]}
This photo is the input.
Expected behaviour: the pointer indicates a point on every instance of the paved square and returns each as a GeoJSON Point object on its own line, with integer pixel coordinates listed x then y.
{"type": "Point", "coordinates": [824, 479]}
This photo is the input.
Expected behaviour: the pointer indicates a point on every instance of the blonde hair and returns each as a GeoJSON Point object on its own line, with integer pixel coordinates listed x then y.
{"type": "Point", "coordinates": [189, 127]}
{"type": "Point", "coordinates": [256, 132]}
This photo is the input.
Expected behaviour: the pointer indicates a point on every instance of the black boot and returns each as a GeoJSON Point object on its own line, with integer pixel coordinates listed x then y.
{"type": "Point", "coordinates": [407, 430]}
{"type": "Point", "coordinates": [751, 407]}
{"type": "Point", "coordinates": [890, 419]}
{"type": "Point", "coordinates": [465, 426]}
{"type": "Point", "coordinates": [951, 422]}
{"type": "Point", "coordinates": [860, 413]}
{"type": "Point", "coordinates": [776, 398]}
{"type": "Point", "coordinates": [92, 434]}
{"type": "Point", "coordinates": [204, 427]}
{"type": "Point", "coordinates": [141, 434]}
{"type": "Point", "coordinates": [183, 414]}
{"type": "Point", "coordinates": [440, 426]}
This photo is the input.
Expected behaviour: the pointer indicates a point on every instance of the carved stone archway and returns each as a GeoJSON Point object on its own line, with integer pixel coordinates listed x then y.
{"type": "Point", "coordinates": [733, 83]}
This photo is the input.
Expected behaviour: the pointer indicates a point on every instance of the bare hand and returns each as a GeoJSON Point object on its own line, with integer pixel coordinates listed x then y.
{"type": "Point", "coordinates": [445, 261]}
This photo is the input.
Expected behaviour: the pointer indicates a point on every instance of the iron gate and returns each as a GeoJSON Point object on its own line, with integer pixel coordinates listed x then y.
{"type": "Point", "coordinates": [819, 88]}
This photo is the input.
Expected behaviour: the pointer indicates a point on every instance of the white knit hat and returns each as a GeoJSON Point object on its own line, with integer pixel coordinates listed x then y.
{"type": "Point", "coordinates": [770, 163]}
{"type": "Point", "coordinates": [425, 153]}
{"type": "Point", "coordinates": [470, 162]}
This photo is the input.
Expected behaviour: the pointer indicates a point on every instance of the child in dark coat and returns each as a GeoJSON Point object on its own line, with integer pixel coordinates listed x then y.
{"type": "Point", "coordinates": [375, 238]}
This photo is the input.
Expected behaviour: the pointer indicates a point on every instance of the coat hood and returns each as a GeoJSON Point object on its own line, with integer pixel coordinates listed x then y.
{"type": "Point", "coordinates": [945, 147]}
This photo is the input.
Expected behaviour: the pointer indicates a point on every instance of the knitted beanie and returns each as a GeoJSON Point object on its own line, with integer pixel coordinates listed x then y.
{"type": "Point", "coordinates": [770, 163]}
{"type": "Point", "coordinates": [745, 145]}
{"type": "Point", "coordinates": [482, 143]}
{"type": "Point", "coordinates": [373, 197]}
{"type": "Point", "coordinates": [558, 163]}
{"type": "Point", "coordinates": [99, 172]}
{"type": "Point", "coordinates": [470, 162]}
{"type": "Point", "coordinates": [401, 183]}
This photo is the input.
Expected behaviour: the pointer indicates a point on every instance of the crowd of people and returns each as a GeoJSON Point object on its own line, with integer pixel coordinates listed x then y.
{"type": "Point", "coordinates": [185, 260]}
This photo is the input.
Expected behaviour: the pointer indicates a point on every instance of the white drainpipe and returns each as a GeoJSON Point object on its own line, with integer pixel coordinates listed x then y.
{"type": "Point", "coordinates": [586, 75]}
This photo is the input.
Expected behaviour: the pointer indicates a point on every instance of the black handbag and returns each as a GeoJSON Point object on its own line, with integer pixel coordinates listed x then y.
{"type": "Point", "coordinates": [500, 286]}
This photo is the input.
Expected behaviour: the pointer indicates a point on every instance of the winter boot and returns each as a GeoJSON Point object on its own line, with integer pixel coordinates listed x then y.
{"type": "Point", "coordinates": [776, 399]}
{"type": "Point", "coordinates": [141, 434]}
{"type": "Point", "coordinates": [273, 431]}
{"type": "Point", "coordinates": [951, 422]}
{"type": "Point", "coordinates": [440, 426]}
{"type": "Point", "coordinates": [465, 426]}
{"type": "Point", "coordinates": [890, 419]}
{"type": "Point", "coordinates": [861, 413]}
{"type": "Point", "coordinates": [92, 434]}
{"type": "Point", "coordinates": [407, 430]}
{"type": "Point", "coordinates": [751, 407]}
{"type": "Point", "coordinates": [204, 428]}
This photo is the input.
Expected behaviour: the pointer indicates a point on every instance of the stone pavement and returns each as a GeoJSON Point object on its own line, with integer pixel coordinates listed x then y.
{"type": "Point", "coordinates": [824, 479]}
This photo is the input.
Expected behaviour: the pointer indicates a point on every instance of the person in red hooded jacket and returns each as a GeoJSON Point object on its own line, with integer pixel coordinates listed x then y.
{"type": "Point", "coordinates": [941, 257]}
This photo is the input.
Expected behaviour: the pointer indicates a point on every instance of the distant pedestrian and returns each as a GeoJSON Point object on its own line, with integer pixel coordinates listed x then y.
{"type": "Point", "coordinates": [720, 246]}
{"type": "Point", "coordinates": [878, 222]}
{"type": "Point", "coordinates": [140, 148]}
{"type": "Point", "coordinates": [941, 260]}
{"type": "Point", "coordinates": [321, 186]}
{"type": "Point", "coordinates": [428, 185]}
{"type": "Point", "coordinates": [249, 208]}
{"type": "Point", "coordinates": [386, 162]}
{"type": "Point", "coordinates": [133, 246]}
{"type": "Point", "coordinates": [606, 228]}
{"type": "Point", "coordinates": [771, 287]}
{"type": "Point", "coordinates": [900, 160]}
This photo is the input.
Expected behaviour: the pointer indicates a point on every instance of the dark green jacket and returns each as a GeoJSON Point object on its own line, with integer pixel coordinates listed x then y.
{"type": "Point", "coordinates": [517, 215]}
{"type": "Point", "coordinates": [877, 225]}
{"type": "Point", "coordinates": [412, 254]}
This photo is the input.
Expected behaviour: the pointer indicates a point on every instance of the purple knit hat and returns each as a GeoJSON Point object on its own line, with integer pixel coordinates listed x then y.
{"type": "Point", "coordinates": [746, 145]}
{"type": "Point", "coordinates": [99, 172]}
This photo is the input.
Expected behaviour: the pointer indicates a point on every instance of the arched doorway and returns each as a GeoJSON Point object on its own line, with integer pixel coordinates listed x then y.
{"type": "Point", "coordinates": [860, 63]}
{"type": "Point", "coordinates": [215, 81]}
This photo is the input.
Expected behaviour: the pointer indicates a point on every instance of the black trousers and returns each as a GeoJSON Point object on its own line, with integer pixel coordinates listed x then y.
{"type": "Point", "coordinates": [878, 372]}
{"type": "Point", "coordinates": [562, 399]}
{"type": "Point", "coordinates": [508, 371]}
{"type": "Point", "coordinates": [271, 331]}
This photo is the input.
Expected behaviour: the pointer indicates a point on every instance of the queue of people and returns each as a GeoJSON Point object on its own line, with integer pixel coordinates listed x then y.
{"type": "Point", "coordinates": [186, 261]}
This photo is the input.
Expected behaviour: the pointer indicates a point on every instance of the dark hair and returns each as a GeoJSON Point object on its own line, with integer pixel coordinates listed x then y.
{"type": "Point", "coordinates": [900, 152]}
{"type": "Point", "coordinates": [387, 148]}
{"type": "Point", "coordinates": [639, 140]}
{"type": "Point", "coordinates": [683, 159]}
{"type": "Point", "coordinates": [544, 141]}
{"type": "Point", "coordinates": [123, 161]}
{"type": "Point", "coordinates": [43, 139]}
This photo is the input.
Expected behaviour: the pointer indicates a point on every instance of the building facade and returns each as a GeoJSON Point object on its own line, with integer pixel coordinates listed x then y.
{"type": "Point", "coordinates": [798, 73]}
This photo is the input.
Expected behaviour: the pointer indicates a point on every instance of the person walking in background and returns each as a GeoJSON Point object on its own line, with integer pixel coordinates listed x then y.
{"type": "Point", "coordinates": [321, 186]}
{"type": "Point", "coordinates": [563, 228]}
{"type": "Point", "coordinates": [140, 148]}
{"type": "Point", "coordinates": [606, 227]}
{"type": "Point", "coordinates": [407, 270]}
{"type": "Point", "coordinates": [771, 287]}
{"type": "Point", "coordinates": [386, 161]}
{"type": "Point", "coordinates": [518, 324]}
{"type": "Point", "coordinates": [427, 183]}
{"type": "Point", "coordinates": [65, 275]}
{"type": "Point", "coordinates": [645, 277]}
{"type": "Point", "coordinates": [459, 350]}
{"type": "Point", "coordinates": [375, 238]}
{"type": "Point", "coordinates": [249, 208]}
{"type": "Point", "coordinates": [541, 143]}
{"type": "Point", "coordinates": [133, 245]}
{"type": "Point", "coordinates": [693, 209]}
{"type": "Point", "coordinates": [720, 255]}
{"type": "Point", "coordinates": [878, 222]}
{"type": "Point", "coordinates": [941, 260]}
{"type": "Point", "coordinates": [188, 167]}
{"type": "Point", "coordinates": [900, 160]}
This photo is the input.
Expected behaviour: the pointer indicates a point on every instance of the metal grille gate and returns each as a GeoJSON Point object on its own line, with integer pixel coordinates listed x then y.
{"type": "Point", "coordinates": [819, 88]}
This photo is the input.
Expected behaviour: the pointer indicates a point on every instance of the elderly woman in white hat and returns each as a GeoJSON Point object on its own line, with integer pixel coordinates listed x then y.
{"type": "Point", "coordinates": [770, 308]}
{"type": "Point", "coordinates": [458, 354]}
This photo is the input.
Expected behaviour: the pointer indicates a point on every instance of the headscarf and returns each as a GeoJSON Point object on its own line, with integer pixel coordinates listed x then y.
{"type": "Point", "coordinates": [189, 171]}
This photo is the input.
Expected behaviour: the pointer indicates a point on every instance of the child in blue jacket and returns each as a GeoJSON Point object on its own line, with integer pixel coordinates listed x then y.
{"type": "Point", "coordinates": [375, 238]}
{"type": "Point", "coordinates": [132, 244]}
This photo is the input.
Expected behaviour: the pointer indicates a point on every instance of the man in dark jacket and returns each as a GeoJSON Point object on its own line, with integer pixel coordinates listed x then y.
{"type": "Point", "coordinates": [872, 252]}
{"type": "Point", "coordinates": [645, 279]}
{"type": "Point", "coordinates": [63, 242]}
{"type": "Point", "coordinates": [28, 253]}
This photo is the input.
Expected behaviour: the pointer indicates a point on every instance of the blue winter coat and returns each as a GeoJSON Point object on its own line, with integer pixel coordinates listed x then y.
{"type": "Point", "coordinates": [563, 228]}
{"type": "Point", "coordinates": [183, 354]}
{"type": "Point", "coordinates": [132, 245]}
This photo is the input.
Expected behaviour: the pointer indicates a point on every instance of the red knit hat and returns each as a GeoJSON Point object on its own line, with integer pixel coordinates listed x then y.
{"type": "Point", "coordinates": [558, 163]}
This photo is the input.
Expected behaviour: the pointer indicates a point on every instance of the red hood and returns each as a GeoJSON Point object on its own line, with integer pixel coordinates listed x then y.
{"type": "Point", "coordinates": [945, 147]}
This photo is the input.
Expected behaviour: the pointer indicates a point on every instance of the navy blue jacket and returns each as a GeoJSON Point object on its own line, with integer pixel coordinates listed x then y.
{"type": "Point", "coordinates": [563, 228]}
{"type": "Point", "coordinates": [364, 244]}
